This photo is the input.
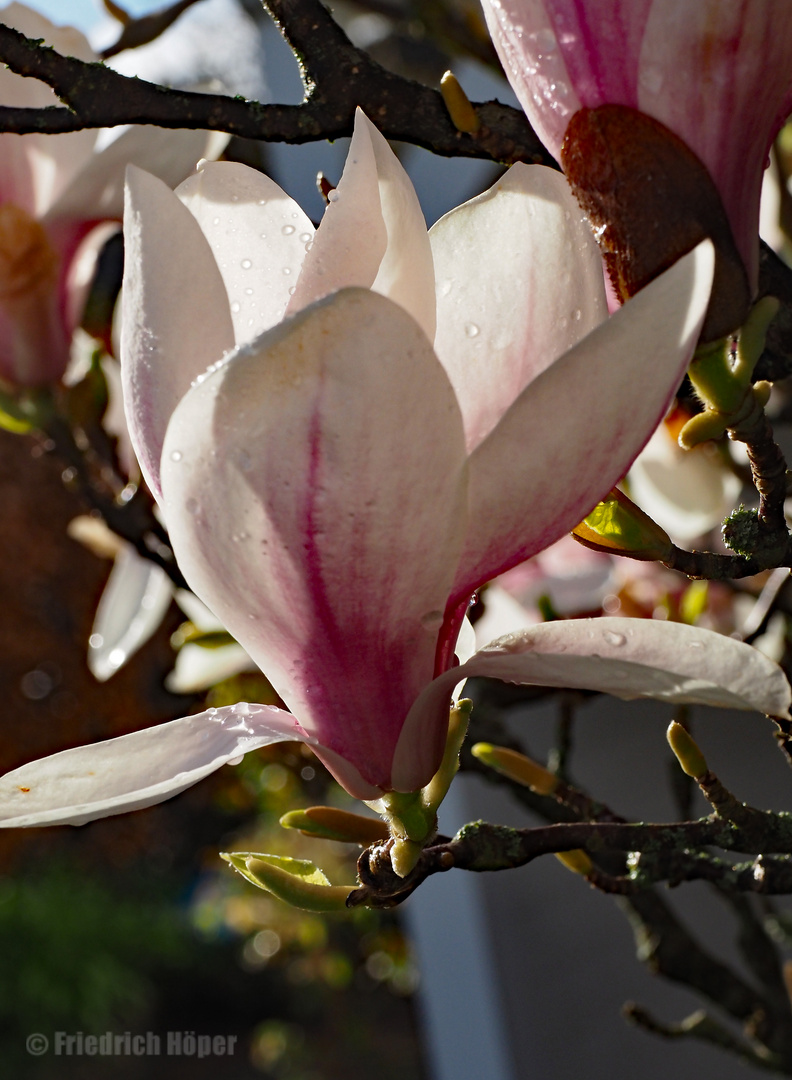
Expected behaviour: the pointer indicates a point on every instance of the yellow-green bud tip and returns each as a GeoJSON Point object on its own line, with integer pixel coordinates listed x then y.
{"type": "Point", "coordinates": [686, 750]}
{"type": "Point", "coordinates": [516, 767]}
{"type": "Point", "coordinates": [462, 113]}
{"type": "Point", "coordinates": [329, 823]}
{"type": "Point", "coordinates": [577, 861]}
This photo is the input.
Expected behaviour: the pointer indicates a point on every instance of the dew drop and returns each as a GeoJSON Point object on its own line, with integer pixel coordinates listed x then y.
{"type": "Point", "coordinates": [176, 455]}
{"type": "Point", "coordinates": [287, 269]}
{"type": "Point", "coordinates": [445, 286]}
{"type": "Point", "coordinates": [236, 307]}
{"type": "Point", "coordinates": [471, 330]}
{"type": "Point", "coordinates": [246, 264]}
{"type": "Point", "coordinates": [216, 221]}
{"type": "Point", "coordinates": [308, 245]}
{"type": "Point", "coordinates": [615, 639]}
{"type": "Point", "coordinates": [333, 196]}
{"type": "Point", "coordinates": [576, 314]}
{"type": "Point", "coordinates": [287, 230]}
{"type": "Point", "coordinates": [292, 290]}
{"type": "Point", "coordinates": [248, 292]}
{"type": "Point", "coordinates": [545, 41]}
{"type": "Point", "coordinates": [235, 760]}
{"type": "Point", "coordinates": [305, 237]}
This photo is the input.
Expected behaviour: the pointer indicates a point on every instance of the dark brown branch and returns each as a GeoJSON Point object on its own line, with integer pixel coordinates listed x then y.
{"type": "Point", "coordinates": [339, 78]}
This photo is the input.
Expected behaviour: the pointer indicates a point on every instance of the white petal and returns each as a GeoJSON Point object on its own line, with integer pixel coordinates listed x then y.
{"type": "Point", "coordinates": [176, 320]}
{"type": "Point", "coordinates": [133, 604]}
{"type": "Point", "coordinates": [97, 191]}
{"type": "Point", "coordinates": [258, 236]}
{"type": "Point", "coordinates": [519, 281]}
{"type": "Point", "coordinates": [198, 668]}
{"type": "Point", "coordinates": [574, 431]}
{"type": "Point", "coordinates": [635, 658]}
{"type": "Point", "coordinates": [687, 492]}
{"type": "Point", "coordinates": [137, 770]}
{"type": "Point", "coordinates": [373, 234]}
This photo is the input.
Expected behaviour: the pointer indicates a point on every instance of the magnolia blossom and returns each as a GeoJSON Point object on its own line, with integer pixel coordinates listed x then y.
{"type": "Point", "coordinates": [55, 193]}
{"type": "Point", "coordinates": [716, 73]}
{"type": "Point", "coordinates": [336, 488]}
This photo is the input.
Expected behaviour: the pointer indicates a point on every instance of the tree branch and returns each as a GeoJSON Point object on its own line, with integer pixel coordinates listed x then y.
{"type": "Point", "coordinates": [339, 78]}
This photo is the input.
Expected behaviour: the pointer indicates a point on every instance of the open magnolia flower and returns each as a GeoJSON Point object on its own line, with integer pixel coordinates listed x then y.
{"type": "Point", "coordinates": [56, 191]}
{"type": "Point", "coordinates": [336, 488]}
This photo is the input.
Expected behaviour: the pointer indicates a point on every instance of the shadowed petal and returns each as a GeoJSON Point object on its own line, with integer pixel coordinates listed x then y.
{"type": "Point", "coordinates": [519, 281]}
{"type": "Point", "coordinates": [137, 770]}
{"type": "Point", "coordinates": [314, 488]}
{"type": "Point", "coordinates": [575, 430]}
{"type": "Point", "coordinates": [176, 319]}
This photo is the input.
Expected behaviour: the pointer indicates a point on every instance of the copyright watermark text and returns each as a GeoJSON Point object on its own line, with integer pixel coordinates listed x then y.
{"type": "Point", "coordinates": [129, 1044]}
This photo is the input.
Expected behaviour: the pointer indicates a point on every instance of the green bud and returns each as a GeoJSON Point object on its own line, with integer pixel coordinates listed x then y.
{"type": "Point", "coordinates": [517, 767]}
{"type": "Point", "coordinates": [618, 527]}
{"type": "Point", "coordinates": [295, 881]}
{"type": "Point", "coordinates": [686, 750]}
{"type": "Point", "coordinates": [328, 823]}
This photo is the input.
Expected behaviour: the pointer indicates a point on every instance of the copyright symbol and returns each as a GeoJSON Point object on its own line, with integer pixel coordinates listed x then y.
{"type": "Point", "coordinates": [37, 1044]}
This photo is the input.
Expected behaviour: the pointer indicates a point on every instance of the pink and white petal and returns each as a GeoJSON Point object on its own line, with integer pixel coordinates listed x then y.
{"type": "Point", "coordinates": [373, 234]}
{"type": "Point", "coordinates": [524, 36]}
{"type": "Point", "coordinates": [137, 770]}
{"type": "Point", "coordinates": [638, 658]}
{"type": "Point", "coordinates": [628, 658]}
{"type": "Point", "coordinates": [132, 606]}
{"type": "Point", "coordinates": [577, 428]}
{"type": "Point", "coordinates": [98, 189]}
{"type": "Point", "coordinates": [297, 491]}
{"type": "Point", "coordinates": [691, 57]}
{"type": "Point", "coordinates": [258, 236]}
{"type": "Point", "coordinates": [176, 319]}
{"type": "Point", "coordinates": [34, 169]}
{"type": "Point", "coordinates": [519, 281]}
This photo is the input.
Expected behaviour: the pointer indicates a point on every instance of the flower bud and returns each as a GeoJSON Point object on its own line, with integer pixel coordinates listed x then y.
{"type": "Point", "coordinates": [295, 881]}
{"type": "Point", "coordinates": [617, 526]}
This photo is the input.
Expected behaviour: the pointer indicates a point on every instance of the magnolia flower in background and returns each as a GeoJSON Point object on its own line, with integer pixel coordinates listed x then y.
{"type": "Point", "coordinates": [335, 488]}
{"type": "Point", "coordinates": [57, 194]}
{"type": "Point", "coordinates": [687, 492]}
{"type": "Point", "coordinates": [715, 73]}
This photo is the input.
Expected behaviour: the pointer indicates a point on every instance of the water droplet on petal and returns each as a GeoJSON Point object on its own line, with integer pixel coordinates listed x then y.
{"type": "Point", "coordinates": [333, 196]}
{"type": "Point", "coordinates": [305, 237]}
{"type": "Point", "coordinates": [236, 760]}
{"type": "Point", "coordinates": [236, 307]}
{"type": "Point", "coordinates": [615, 639]}
{"type": "Point", "coordinates": [176, 455]}
{"type": "Point", "coordinates": [246, 264]}
{"type": "Point", "coordinates": [287, 230]}
{"type": "Point", "coordinates": [471, 330]}
{"type": "Point", "coordinates": [287, 269]}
